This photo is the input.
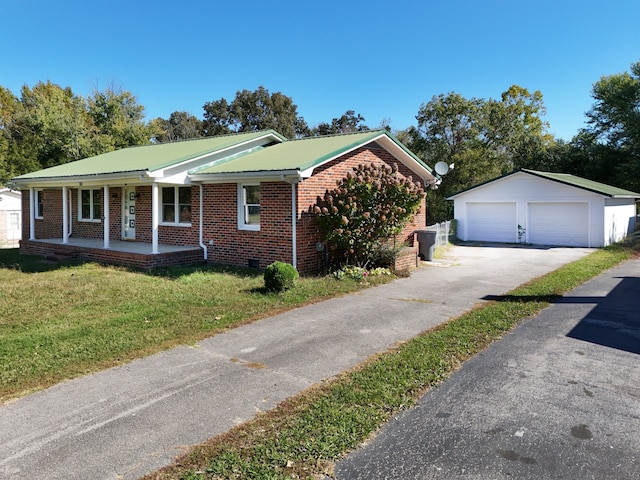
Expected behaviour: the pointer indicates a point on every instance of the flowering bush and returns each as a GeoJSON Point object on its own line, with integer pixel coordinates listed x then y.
{"type": "Point", "coordinates": [366, 208]}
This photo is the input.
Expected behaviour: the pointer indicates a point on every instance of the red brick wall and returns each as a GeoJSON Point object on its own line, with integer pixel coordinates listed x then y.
{"type": "Point", "coordinates": [236, 247]}
{"type": "Point", "coordinates": [325, 178]}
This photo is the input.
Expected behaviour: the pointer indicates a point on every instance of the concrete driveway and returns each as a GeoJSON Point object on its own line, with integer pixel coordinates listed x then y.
{"type": "Point", "coordinates": [559, 397]}
{"type": "Point", "coordinates": [128, 421]}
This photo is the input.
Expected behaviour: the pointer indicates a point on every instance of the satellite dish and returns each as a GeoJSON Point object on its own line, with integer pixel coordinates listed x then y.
{"type": "Point", "coordinates": [442, 168]}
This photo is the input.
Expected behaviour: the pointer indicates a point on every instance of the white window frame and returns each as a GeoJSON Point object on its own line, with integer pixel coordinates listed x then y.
{"type": "Point", "coordinates": [243, 208]}
{"type": "Point", "coordinates": [176, 206]}
{"type": "Point", "coordinates": [13, 221]}
{"type": "Point", "coordinates": [39, 204]}
{"type": "Point", "coordinates": [91, 218]}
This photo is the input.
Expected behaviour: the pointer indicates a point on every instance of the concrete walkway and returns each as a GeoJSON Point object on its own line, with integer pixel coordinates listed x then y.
{"type": "Point", "coordinates": [128, 421]}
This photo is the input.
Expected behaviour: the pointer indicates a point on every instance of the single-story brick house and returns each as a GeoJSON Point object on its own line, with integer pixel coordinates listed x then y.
{"type": "Point", "coordinates": [544, 208]}
{"type": "Point", "coordinates": [228, 199]}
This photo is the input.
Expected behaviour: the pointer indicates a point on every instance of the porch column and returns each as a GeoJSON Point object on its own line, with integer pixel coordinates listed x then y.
{"type": "Point", "coordinates": [294, 218]}
{"type": "Point", "coordinates": [65, 216]}
{"type": "Point", "coordinates": [154, 218]}
{"type": "Point", "coordinates": [106, 216]}
{"type": "Point", "coordinates": [32, 214]}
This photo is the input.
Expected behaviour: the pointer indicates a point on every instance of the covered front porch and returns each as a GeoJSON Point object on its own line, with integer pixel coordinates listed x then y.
{"type": "Point", "coordinates": [125, 253]}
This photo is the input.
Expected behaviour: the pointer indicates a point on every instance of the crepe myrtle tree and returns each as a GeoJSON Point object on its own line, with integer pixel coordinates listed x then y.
{"type": "Point", "coordinates": [367, 208]}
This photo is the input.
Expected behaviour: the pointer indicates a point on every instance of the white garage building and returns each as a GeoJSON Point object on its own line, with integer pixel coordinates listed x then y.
{"type": "Point", "coordinates": [544, 208]}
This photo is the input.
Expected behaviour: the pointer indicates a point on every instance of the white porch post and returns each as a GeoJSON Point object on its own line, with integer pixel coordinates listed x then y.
{"type": "Point", "coordinates": [106, 216]}
{"type": "Point", "coordinates": [32, 214]}
{"type": "Point", "coordinates": [294, 218]}
{"type": "Point", "coordinates": [154, 218]}
{"type": "Point", "coordinates": [65, 216]}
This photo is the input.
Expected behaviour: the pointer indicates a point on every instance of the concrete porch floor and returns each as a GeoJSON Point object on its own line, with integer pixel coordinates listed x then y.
{"type": "Point", "coordinates": [118, 245]}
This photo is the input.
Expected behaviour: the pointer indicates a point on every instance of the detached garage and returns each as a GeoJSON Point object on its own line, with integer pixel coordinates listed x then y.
{"type": "Point", "coordinates": [544, 208]}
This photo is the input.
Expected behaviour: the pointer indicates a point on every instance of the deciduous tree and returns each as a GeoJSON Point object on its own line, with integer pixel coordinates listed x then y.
{"type": "Point", "coordinates": [253, 111]}
{"type": "Point", "coordinates": [179, 126]}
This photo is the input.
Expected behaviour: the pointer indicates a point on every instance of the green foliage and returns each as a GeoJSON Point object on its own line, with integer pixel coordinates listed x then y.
{"type": "Point", "coordinates": [359, 274]}
{"type": "Point", "coordinates": [280, 276]}
{"type": "Point", "coordinates": [367, 207]}
{"type": "Point", "coordinates": [179, 126]}
{"type": "Point", "coordinates": [608, 150]}
{"type": "Point", "coordinates": [251, 111]}
{"type": "Point", "coordinates": [118, 119]}
{"type": "Point", "coordinates": [482, 138]}
{"type": "Point", "coordinates": [347, 123]}
{"type": "Point", "coordinates": [50, 125]}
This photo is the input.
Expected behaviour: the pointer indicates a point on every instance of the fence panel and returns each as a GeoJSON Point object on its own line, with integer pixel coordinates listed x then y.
{"type": "Point", "coordinates": [442, 230]}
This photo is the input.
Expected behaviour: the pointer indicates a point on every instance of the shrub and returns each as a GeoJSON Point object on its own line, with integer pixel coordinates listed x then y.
{"type": "Point", "coordinates": [366, 208]}
{"type": "Point", "coordinates": [383, 255]}
{"type": "Point", "coordinates": [280, 276]}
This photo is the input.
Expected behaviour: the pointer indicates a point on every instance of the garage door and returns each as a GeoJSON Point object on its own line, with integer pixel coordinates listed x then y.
{"type": "Point", "coordinates": [492, 222]}
{"type": "Point", "coordinates": [565, 224]}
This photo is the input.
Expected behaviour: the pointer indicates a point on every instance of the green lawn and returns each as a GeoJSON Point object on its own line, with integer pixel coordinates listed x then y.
{"type": "Point", "coordinates": [63, 320]}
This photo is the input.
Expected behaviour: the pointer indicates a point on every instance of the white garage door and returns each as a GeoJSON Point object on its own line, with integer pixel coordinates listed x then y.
{"type": "Point", "coordinates": [565, 224]}
{"type": "Point", "coordinates": [492, 222]}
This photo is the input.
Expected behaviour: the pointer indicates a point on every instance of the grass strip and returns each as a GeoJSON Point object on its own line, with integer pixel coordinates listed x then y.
{"type": "Point", "coordinates": [303, 436]}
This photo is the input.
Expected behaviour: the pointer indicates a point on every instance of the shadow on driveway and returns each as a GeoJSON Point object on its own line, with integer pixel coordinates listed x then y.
{"type": "Point", "coordinates": [614, 321]}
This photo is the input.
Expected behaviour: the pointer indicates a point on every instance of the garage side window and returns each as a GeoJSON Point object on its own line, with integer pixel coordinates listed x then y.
{"type": "Point", "coordinates": [248, 207]}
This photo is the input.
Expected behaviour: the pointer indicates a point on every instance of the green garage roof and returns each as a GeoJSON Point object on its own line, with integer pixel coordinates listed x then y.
{"type": "Point", "coordinates": [567, 179]}
{"type": "Point", "coordinates": [585, 184]}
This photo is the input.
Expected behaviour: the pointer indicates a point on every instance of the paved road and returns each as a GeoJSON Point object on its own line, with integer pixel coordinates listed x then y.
{"type": "Point", "coordinates": [559, 397]}
{"type": "Point", "coordinates": [128, 421]}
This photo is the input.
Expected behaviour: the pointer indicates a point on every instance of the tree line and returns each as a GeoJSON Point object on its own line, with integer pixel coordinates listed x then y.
{"type": "Point", "coordinates": [47, 125]}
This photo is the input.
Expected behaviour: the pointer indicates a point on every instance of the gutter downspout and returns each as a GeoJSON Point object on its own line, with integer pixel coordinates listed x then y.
{"type": "Point", "coordinates": [294, 219]}
{"type": "Point", "coordinates": [201, 234]}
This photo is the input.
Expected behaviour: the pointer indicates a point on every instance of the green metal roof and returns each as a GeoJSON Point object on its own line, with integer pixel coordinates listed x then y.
{"type": "Point", "coordinates": [567, 179]}
{"type": "Point", "coordinates": [300, 154]}
{"type": "Point", "coordinates": [147, 157]}
{"type": "Point", "coordinates": [585, 184]}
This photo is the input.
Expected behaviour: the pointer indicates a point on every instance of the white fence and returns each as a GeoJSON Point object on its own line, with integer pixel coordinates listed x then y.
{"type": "Point", "coordinates": [443, 230]}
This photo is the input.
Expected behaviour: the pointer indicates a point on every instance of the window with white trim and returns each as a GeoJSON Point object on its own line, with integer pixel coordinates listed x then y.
{"type": "Point", "coordinates": [39, 204]}
{"type": "Point", "coordinates": [14, 221]}
{"type": "Point", "coordinates": [90, 208]}
{"type": "Point", "coordinates": [249, 207]}
{"type": "Point", "coordinates": [176, 205]}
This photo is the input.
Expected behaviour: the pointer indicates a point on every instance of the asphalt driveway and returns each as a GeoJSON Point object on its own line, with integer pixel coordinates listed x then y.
{"type": "Point", "coordinates": [559, 397]}
{"type": "Point", "coordinates": [128, 421]}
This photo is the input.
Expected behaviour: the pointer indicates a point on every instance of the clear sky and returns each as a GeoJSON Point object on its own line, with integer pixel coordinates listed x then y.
{"type": "Point", "coordinates": [381, 59]}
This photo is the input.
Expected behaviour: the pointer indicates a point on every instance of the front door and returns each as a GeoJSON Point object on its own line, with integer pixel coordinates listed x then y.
{"type": "Point", "coordinates": [129, 214]}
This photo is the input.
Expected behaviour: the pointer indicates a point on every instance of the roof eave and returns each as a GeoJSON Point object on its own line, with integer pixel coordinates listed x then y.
{"type": "Point", "coordinates": [393, 145]}
{"type": "Point", "coordinates": [136, 176]}
{"type": "Point", "coordinates": [262, 175]}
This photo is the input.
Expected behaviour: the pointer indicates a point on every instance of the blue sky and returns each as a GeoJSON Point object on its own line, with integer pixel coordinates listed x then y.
{"type": "Point", "coordinates": [381, 59]}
